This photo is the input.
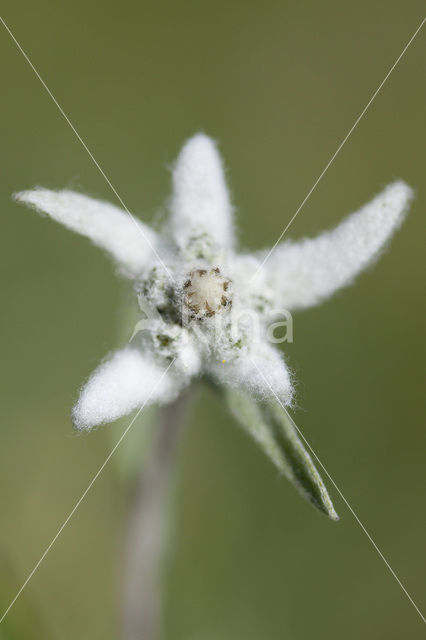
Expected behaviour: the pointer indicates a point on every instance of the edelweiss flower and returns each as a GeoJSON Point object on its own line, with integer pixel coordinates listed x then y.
{"type": "Point", "coordinates": [204, 294]}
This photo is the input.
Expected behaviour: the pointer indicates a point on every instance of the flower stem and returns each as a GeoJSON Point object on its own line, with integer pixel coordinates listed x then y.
{"type": "Point", "coordinates": [146, 530]}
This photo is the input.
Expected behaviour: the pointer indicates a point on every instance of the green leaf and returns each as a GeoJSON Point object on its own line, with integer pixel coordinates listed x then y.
{"type": "Point", "coordinates": [274, 431]}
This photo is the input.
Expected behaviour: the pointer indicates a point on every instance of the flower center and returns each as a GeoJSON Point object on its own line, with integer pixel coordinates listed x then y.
{"type": "Point", "coordinates": [206, 292]}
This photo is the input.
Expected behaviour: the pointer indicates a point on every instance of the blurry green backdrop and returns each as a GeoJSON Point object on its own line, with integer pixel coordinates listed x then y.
{"type": "Point", "coordinates": [279, 84]}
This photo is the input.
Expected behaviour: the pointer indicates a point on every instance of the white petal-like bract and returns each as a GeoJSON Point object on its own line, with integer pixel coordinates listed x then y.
{"type": "Point", "coordinates": [131, 243]}
{"type": "Point", "coordinates": [304, 273]}
{"type": "Point", "coordinates": [261, 371]}
{"type": "Point", "coordinates": [129, 379]}
{"type": "Point", "coordinates": [200, 202]}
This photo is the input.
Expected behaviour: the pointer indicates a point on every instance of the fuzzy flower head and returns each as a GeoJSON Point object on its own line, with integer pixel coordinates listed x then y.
{"type": "Point", "coordinates": [200, 297]}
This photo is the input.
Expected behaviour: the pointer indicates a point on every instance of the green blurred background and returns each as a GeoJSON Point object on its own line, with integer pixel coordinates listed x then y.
{"type": "Point", "coordinates": [279, 84]}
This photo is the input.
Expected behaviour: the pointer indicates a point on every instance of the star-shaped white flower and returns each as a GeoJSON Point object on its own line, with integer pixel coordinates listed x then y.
{"type": "Point", "coordinates": [192, 266]}
{"type": "Point", "coordinates": [205, 295]}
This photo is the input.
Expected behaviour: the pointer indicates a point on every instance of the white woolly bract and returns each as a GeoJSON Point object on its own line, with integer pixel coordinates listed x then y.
{"type": "Point", "coordinates": [124, 382]}
{"type": "Point", "coordinates": [304, 273]}
{"type": "Point", "coordinates": [173, 342]}
{"type": "Point", "coordinates": [261, 371]}
{"type": "Point", "coordinates": [200, 203]}
{"type": "Point", "coordinates": [126, 239]}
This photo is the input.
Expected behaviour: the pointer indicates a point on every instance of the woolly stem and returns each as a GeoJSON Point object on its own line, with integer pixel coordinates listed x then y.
{"type": "Point", "coordinates": [146, 531]}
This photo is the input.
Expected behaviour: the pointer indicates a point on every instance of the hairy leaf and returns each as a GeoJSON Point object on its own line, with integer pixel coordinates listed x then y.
{"type": "Point", "coordinates": [273, 429]}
